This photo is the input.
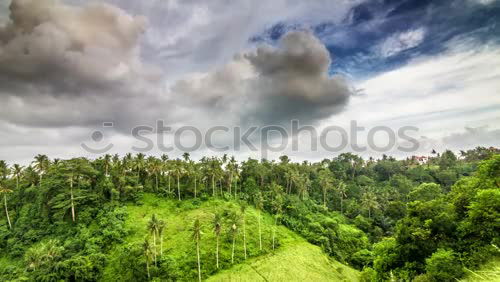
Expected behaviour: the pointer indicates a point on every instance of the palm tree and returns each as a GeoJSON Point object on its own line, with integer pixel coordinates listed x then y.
{"type": "Point", "coordinates": [153, 226]}
{"type": "Point", "coordinates": [4, 170]}
{"type": "Point", "coordinates": [277, 207]}
{"type": "Point", "coordinates": [161, 228]}
{"type": "Point", "coordinates": [4, 191]}
{"type": "Point", "coordinates": [139, 164]}
{"type": "Point", "coordinates": [154, 168]}
{"type": "Point", "coordinates": [41, 164]}
{"type": "Point", "coordinates": [178, 172]}
{"type": "Point", "coordinates": [17, 172]}
{"type": "Point", "coordinates": [342, 190]}
{"type": "Point", "coordinates": [146, 248]}
{"type": "Point", "coordinates": [243, 208]}
{"type": "Point", "coordinates": [326, 182]}
{"type": "Point", "coordinates": [234, 232]}
{"type": "Point", "coordinates": [217, 230]}
{"type": "Point", "coordinates": [369, 201]}
{"type": "Point", "coordinates": [259, 204]}
{"type": "Point", "coordinates": [197, 237]}
{"type": "Point", "coordinates": [107, 163]}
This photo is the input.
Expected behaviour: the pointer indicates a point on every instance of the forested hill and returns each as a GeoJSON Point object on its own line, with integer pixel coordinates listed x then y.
{"type": "Point", "coordinates": [139, 218]}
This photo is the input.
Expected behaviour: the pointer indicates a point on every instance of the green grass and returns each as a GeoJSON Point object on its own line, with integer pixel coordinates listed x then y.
{"type": "Point", "coordinates": [300, 261]}
{"type": "Point", "coordinates": [293, 260]}
{"type": "Point", "coordinates": [489, 272]}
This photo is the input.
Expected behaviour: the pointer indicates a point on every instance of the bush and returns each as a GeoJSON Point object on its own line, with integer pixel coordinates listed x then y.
{"type": "Point", "coordinates": [444, 265]}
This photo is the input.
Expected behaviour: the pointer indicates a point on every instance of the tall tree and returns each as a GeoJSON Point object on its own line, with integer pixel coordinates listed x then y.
{"type": "Point", "coordinates": [342, 190]}
{"type": "Point", "coordinates": [41, 165]}
{"type": "Point", "coordinates": [326, 182]}
{"type": "Point", "coordinates": [369, 201]}
{"type": "Point", "coordinates": [161, 229]}
{"type": "Point", "coordinates": [217, 230]}
{"type": "Point", "coordinates": [5, 191]}
{"type": "Point", "coordinates": [259, 204]}
{"type": "Point", "coordinates": [197, 238]}
{"type": "Point", "coordinates": [17, 171]}
{"type": "Point", "coordinates": [153, 227]}
{"type": "Point", "coordinates": [243, 208]}
{"type": "Point", "coordinates": [146, 248]}
{"type": "Point", "coordinates": [234, 232]}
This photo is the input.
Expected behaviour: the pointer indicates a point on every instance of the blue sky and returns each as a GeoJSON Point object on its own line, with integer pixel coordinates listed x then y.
{"type": "Point", "coordinates": [67, 66]}
{"type": "Point", "coordinates": [378, 36]}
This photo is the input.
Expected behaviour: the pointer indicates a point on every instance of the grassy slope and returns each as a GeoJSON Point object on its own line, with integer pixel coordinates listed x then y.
{"type": "Point", "coordinates": [300, 261]}
{"type": "Point", "coordinates": [489, 272]}
{"type": "Point", "coordinates": [294, 260]}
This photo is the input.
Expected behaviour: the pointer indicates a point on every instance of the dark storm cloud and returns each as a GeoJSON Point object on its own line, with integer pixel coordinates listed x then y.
{"type": "Point", "coordinates": [273, 85]}
{"type": "Point", "coordinates": [64, 65]}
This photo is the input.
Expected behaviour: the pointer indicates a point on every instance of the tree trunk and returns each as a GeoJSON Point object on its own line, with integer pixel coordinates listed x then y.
{"type": "Point", "coordinates": [260, 234]}
{"type": "Point", "coordinates": [198, 255]}
{"type": "Point", "coordinates": [178, 187]}
{"type": "Point", "coordinates": [147, 268]}
{"type": "Point", "coordinates": [72, 200]}
{"type": "Point", "coordinates": [230, 183]}
{"type": "Point", "coordinates": [232, 253]}
{"type": "Point", "coordinates": [341, 204]}
{"type": "Point", "coordinates": [274, 229]}
{"type": "Point", "coordinates": [195, 187]}
{"type": "Point", "coordinates": [156, 178]}
{"type": "Point", "coordinates": [154, 247]}
{"type": "Point", "coordinates": [169, 184]}
{"type": "Point", "coordinates": [213, 185]}
{"type": "Point", "coordinates": [244, 238]}
{"type": "Point", "coordinates": [324, 197]}
{"type": "Point", "coordinates": [161, 245]}
{"type": "Point", "coordinates": [7, 210]}
{"type": "Point", "coordinates": [217, 252]}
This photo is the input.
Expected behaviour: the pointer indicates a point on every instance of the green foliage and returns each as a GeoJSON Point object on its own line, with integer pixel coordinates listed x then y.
{"type": "Point", "coordinates": [443, 266]}
{"type": "Point", "coordinates": [425, 192]}
{"type": "Point", "coordinates": [91, 220]}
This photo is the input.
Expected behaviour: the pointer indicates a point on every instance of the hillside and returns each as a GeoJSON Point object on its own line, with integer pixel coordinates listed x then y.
{"type": "Point", "coordinates": [294, 259]}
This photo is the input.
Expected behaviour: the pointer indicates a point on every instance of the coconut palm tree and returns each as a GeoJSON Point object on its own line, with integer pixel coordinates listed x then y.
{"type": "Point", "coordinates": [243, 209]}
{"type": "Point", "coordinates": [146, 248]}
{"type": "Point", "coordinates": [234, 232]}
{"type": "Point", "coordinates": [41, 165]}
{"type": "Point", "coordinates": [178, 172]}
{"type": "Point", "coordinates": [259, 204]}
{"type": "Point", "coordinates": [342, 190]}
{"type": "Point", "coordinates": [161, 228]}
{"type": "Point", "coordinates": [154, 168]}
{"type": "Point", "coordinates": [197, 238]}
{"type": "Point", "coordinates": [17, 171]}
{"type": "Point", "coordinates": [326, 182]}
{"type": "Point", "coordinates": [5, 191]}
{"type": "Point", "coordinates": [153, 226]}
{"type": "Point", "coordinates": [107, 163]}
{"type": "Point", "coordinates": [369, 201]}
{"type": "Point", "coordinates": [217, 230]}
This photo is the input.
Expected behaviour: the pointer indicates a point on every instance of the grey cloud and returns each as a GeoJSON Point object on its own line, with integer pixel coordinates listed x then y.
{"type": "Point", "coordinates": [67, 65]}
{"type": "Point", "coordinates": [472, 137]}
{"type": "Point", "coordinates": [272, 86]}
{"type": "Point", "coordinates": [294, 83]}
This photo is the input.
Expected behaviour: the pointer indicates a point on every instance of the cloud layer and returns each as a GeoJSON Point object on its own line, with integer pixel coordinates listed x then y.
{"type": "Point", "coordinates": [272, 85]}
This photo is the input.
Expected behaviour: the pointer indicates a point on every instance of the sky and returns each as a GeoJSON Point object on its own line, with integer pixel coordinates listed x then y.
{"type": "Point", "coordinates": [77, 77]}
